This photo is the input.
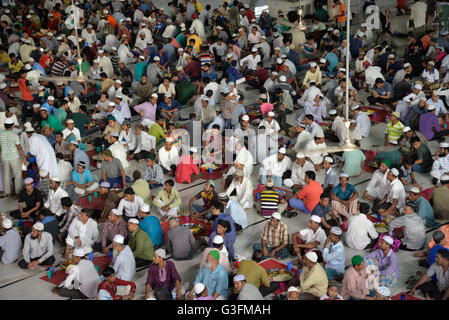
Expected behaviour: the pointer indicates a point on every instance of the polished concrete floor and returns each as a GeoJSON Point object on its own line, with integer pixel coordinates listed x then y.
{"type": "Point", "coordinates": [19, 284]}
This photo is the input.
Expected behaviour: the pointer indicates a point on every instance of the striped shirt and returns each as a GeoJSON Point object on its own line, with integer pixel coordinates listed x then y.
{"type": "Point", "coordinates": [269, 200]}
{"type": "Point", "coordinates": [8, 142]}
{"type": "Point", "coordinates": [275, 236]}
{"type": "Point", "coordinates": [310, 194]}
{"type": "Point", "coordinates": [394, 132]}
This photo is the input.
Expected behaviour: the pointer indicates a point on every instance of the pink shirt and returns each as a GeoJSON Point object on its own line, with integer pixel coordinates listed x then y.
{"type": "Point", "coordinates": [266, 107]}
{"type": "Point", "coordinates": [354, 284]}
{"type": "Point", "coordinates": [149, 110]}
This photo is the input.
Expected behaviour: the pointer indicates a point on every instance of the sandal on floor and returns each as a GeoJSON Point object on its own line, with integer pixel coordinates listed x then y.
{"type": "Point", "coordinates": [291, 214]}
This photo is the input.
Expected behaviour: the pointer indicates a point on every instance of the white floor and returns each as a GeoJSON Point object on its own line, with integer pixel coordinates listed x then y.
{"type": "Point", "coordinates": [19, 284]}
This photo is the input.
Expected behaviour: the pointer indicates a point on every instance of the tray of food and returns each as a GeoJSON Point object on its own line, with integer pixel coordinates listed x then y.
{"type": "Point", "coordinates": [381, 227]}
{"type": "Point", "coordinates": [280, 275]}
{"type": "Point", "coordinates": [194, 227]}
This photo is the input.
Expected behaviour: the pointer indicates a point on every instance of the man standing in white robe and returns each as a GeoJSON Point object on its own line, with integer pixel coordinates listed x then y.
{"type": "Point", "coordinates": [44, 153]}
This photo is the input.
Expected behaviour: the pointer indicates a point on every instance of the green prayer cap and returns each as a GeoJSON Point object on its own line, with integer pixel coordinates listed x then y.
{"type": "Point", "coordinates": [112, 118]}
{"type": "Point", "coordinates": [151, 157]}
{"type": "Point", "coordinates": [215, 254]}
{"type": "Point", "coordinates": [387, 162]}
{"type": "Point", "coordinates": [108, 153]}
{"type": "Point", "coordinates": [356, 260]}
{"type": "Point", "coordinates": [212, 183]}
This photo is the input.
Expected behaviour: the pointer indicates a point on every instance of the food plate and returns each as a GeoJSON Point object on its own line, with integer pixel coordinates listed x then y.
{"type": "Point", "coordinates": [280, 275]}
{"type": "Point", "coordinates": [194, 227]}
{"type": "Point", "coordinates": [381, 227]}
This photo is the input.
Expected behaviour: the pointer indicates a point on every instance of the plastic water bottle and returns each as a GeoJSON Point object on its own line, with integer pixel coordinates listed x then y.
{"type": "Point", "coordinates": [379, 217]}
{"type": "Point", "coordinates": [210, 170]}
{"type": "Point", "coordinates": [91, 256]}
{"type": "Point", "coordinates": [173, 294]}
{"type": "Point", "coordinates": [289, 266]}
{"type": "Point", "coordinates": [110, 255]}
{"type": "Point", "coordinates": [102, 147]}
{"type": "Point", "coordinates": [257, 195]}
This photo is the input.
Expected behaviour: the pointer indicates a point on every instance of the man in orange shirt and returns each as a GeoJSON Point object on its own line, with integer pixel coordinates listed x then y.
{"type": "Point", "coordinates": [309, 196]}
{"type": "Point", "coordinates": [26, 95]}
{"type": "Point", "coordinates": [341, 13]}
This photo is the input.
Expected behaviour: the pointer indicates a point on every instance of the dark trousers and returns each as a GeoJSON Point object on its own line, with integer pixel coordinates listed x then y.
{"type": "Point", "coordinates": [431, 288]}
{"type": "Point", "coordinates": [373, 100]}
{"type": "Point", "coordinates": [142, 263]}
{"type": "Point", "coordinates": [17, 215]}
{"type": "Point", "coordinates": [404, 247]}
{"type": "Point", "coordinates": [265, 291]}
{"type": "Point", "coordinates": [378, 206]}
{"type": "Point", "coordinates": [440, 134]}
{"type": "Point", "coordinates": [237, 227]}
{"type": "Point", "coordinates": [71, 293]}
{"type": "Point", "coordinates": [172, 168]}
{"type": "Point", "coordinates": [49, 261]}
{"type": "Point", "coordinates": [282, 119]}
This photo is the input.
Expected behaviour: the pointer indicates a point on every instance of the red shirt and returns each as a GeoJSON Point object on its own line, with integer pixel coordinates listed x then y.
{"type": "Point", "coordinates": [310, 194]}
{"type": "Point", "coordinates": [185, 169]}
{"type": "Point", "coordinates": [26, 93]}
{"type": "Point", "coordinates": [112, 287]}
{"type": "Point", "coordinates": [43, 60]}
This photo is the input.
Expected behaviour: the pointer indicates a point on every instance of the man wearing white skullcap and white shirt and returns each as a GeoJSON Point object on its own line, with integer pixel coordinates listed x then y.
{"type": "Point", "coordinates": [243, 190]}
{"type": "Point", "coordinates": [309, 94]}
{"type": "Point", "coordinates": [10, 242]}
{"type": "Point", "coordinates": [440, 165]}
{"type": "Point", "coordinates": [309, 239]}
{"type": "Point", "coordinates": [313, 74]}
{"type": "Point", "coordinates": [168, 157]}
{"type": "Point", "coordinates": [37, 248]}
{"type": "Point", "coordinates": [82, 234]}
{"type": "Point", "coordinates": [363, 121]}
{"type": "Point", "coordinates": [55, 194]}
{"type": "Point", "coordinates": [334, 256]}
{"type": "Point", "coordinates": [251, 60]}
{"type": "Point", "coordinates": [316, 157]}
{"type": "Point", "coordinates": [82, 281]}
{"type": "Point", "coordinates": [313, 279]}
{"type": "Point", "coordinates": [299, 168]}
{"type": "Point", "coordinates": [245, 291]}
{"type": "Point", "coordinates": [275, 166]}
{"type": "Point", "coordinates": [394, 200]}
{"type": "Point", "coordinates": [123, 262]}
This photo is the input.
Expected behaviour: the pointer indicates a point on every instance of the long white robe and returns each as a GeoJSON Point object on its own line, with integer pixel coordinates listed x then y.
{"type": "Point", "coordinates": [44, 153]}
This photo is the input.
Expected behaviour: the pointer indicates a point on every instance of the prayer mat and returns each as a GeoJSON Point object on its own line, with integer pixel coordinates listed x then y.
{"type": "Point", "coordinates": [273, 264]}
{"type": "Point", "coordinates": [376, 114]}
{"type": "Point", "coordinates": [369, 155]}
{"type": "Point", "coordinates": [216, 174]}
{"type": "Point", "coordinates": [90, 154]}
{"type": "Point", "coordinates": [59, 276]}
{"type": "Point", "coordinates": [407, 297]}
{"type": "Point", "coordinates": [91, 201]}
{"type": "Point", "coordinates": [427, 193]}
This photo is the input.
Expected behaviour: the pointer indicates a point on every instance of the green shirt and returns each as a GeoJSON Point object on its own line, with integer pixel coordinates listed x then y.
{"type": "Point", "coordinates": [182, 40]}
{"type": "Point", "coordinates": [395, 157]}
{"type": "Point", "coordinates": [394, 132]}
{"type": "Point", "coordinates": [53, 123]}
{"type": "Point", "coordinates": [142, 189]}
{"type": "Point", "coordinates": [172, 202]}
{"type": "Point", "coordinates": [352, 160]}
{"type": "Point", "coordinates": [141, 245]}
{"type": "Point", "coordinates": [157, 132]}
{"type": "Point", "coordinates": [424, 154]}
{"type": "Point", "coordinates": [184, 91]}
{"type": "Point", "coordinates": [80, 120]}
{"type": "Point", "coordinates": [254, 273]}
{"type": "Point", "coordinates": [8, 142]}
{"type": "Point", "coordinates": [60, 114]}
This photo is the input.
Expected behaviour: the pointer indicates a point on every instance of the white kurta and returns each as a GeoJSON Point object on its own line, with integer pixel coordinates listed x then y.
{"type": "Point", "coordinates": [244, 192]}
{"type": "Point", "coordinates": [168, 158]}
{"type": "Point", "coordinates": [145, 142]}
{"type": "Point", "coordinates": [277, 168]}
{"type": "Point", "coordinates": [299, 172]}
{"type": "Point", "coordinates": [119, 152]}
{"type": "Point", "coordinates": [44, 153]}
{"type": "Point", "coordinates": [128, 138]}
{"type": "Point", "coordinates": [378, 185]}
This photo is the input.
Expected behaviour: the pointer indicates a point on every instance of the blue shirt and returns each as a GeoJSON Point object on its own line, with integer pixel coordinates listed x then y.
{"type": "Point", "coordinates": [118, 116]}
{"type": "Point", "coordinates": [215, 281]}
{"type": "Point", "coordinates": [212, 75]}
{"type": "Point", "coordinates": [37, 66]}
{"type": "Point", "coordinates": [236, 211]}
{"type": "Point", "coordinates": [174, 104]}
{"type": "Point", "coordinates": [224, 216]}
{"type": "Point", "coordinates": [332, 59]}
{"type": "Point", "coordinates": [344, 195]}
{"type": "Point", "coordinates": [82, 178]}
{"type": "Point", "coordinates": [335, 257]}
{"type": "Point", "coordinates": [50, 109]}
{"type": "Point", "coordinates": [425, 211]}
{"type": "Point", "coordinates": [140, 70]}
{"type": "Point", "coordinates": [433, 252]}
{"type": "Point", "coordinates": [66, 91]}
{"type": "Point", "coordinates": [320, 210]}
{"type": "Point", "coordinates": [355, 45]}
{"type": "Point", "coordinates": [80, 155]}
{"type": "Point", "coordinates": [152, 227]}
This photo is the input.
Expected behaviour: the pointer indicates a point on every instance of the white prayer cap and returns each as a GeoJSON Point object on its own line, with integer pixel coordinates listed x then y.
{"type": "Point", "coordinates": [363, 25]}
{"type": "Point", "coordinates": [276, 215]}
{"type": "Point", "coordinates": [134, 221]}
{"type": "Point", "coordinates": [263, 96]}
{"type": "Point", "coordinates": [239, 277]}
{"type": "Point", "coordinates": [55, 179]}
{"type": "Point", "coordinates": [245, 118]}
{"type": "Point", "coordinates": [282, 78]}
{"type": "Point", "coordinates": [114, 134]}
{"type": "Point", "coordinates": [193, 149]}
{"type": "Point", "coordinates": [218, 239]}
{"type": "Point", "coordinates": [27, 67]}
{"type": "Point", "coordinates": [28, 180]}
{"type": "Point", "coordinates": [417, 86]}
{"type": "Point", "coordinates": [300, 155]}
{"type": "Point", "coordinates": [79, 252]}
{"type": "Point", "coordinates": [229, 55]}
{"type": "Point", "coordinates": [279, 61]}
{"type": "Point", "coordinates": [444, 177]}
{"type": "Point", "coordinates": [3, 85]}
{"type": "Point", "coordinates": [391, 56]}
{"type": "Point", "coordinates": [199, 288]}
{"type": "Point", "coordinates": [119, 238]}
{"type": "Point", "coordinates": [444, 145]}
{"type": "Point", "coordinates": [315, 218]}
{"type": "Point", "coordinates": [29, 130]}
{"type": "Point", "coordinates": [275, 73]}
{"type": "Point", "coordinates": [406, 129]}
{"type": "Point", "coordinates": [319, 135]}
{"type": "Point", "coordinates": [414, 190]}
{"type": "Point", "coordinates": [129, 19]}
{"type": "Point", "coordinates": [70, 91]}
{"type": "Point", "coordinates": [167, 94]}
{"type": "Point", "coordinates": [116, 212]}
{"type": "Point", "coordinates": [111, 104]}
{"type": "Point", "coordinates": [332, 112]}
{"type": "Point", "coordinates": [271, 114]}
{"type": "Point", "coordinates": [9, 121]}
{"type": "Point", "coordinates": [43, 173]}
{"type": "Point", "coordinates": [145, 208]}
{"type": "Point", "coordinates": [105, 11]}
{"type": "Point", "coordinates": [277, 48]}
{"type": "Point", "coordinates": [89, 26]}
{"type": "Point", "coordinates": [59, 38]}
{"type": "Point", "coordinates": [114, 48]}
{"type": "Point", "coordinates": [312, 256]}
{"type": "Point", "coordinates": [329, 159]}
{"type": "Point", "coordinates": [443, 33]}
{"type": "Point", "coordinates": [292, 289]}
{"type": "Point", "coordinates": [322, 60]}
{"type": "Point", "coordinates": [282, 150]}
{"type": "Point", "coordinates": [343, 175]}
{"type": "Point", "coordinates": [154, 95]}
{"type": "Point", "coordinates": [205, 98]}
{"type": "Point", "coordinates": [70, 121]}
{"type": "Point", "coordinates": [431, 107]}
{"type": "Point", "coordinates": [394, 172]}
{"type": "Point", "coordinates": [337, 231]}
{"type": "Point", "coordinates": [355, 107]}
{"type": "Point", "coordinates": [388, 239]}
{"type": "Point", "coordinates": [105, 184]}
{"type": "Point", "coordinates": [156, 58]}
{"type": "Point", "coordinates": [160, 253]}
{"type": "Point", "coordinates": [39, 226]}
{"type": "Point", "coordinates": [383, 291]}
{"type": "Point", "coordinates": [169, 139]}
{"type": "Point", "coordinates": [51, 98]}
{"type": "Point", "coordinates": [118, 81]}
{"type": "Point", "coordinates": [313, 64]}
{"type": "Point", "coordinates": [407, 65]}
{"type": "Point", "coordinates": [283, 56]}
{"type": "Point", "coordinates": [7, 223]}
{"type": "Point", "coordinates": [74, 142]}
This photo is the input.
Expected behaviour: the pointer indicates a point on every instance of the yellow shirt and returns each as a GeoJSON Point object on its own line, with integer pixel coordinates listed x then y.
{"type": "Point", "coordinates": [16, 67]}
{"type": "Point", "coordinates": [198, 42]}
{"type": "Point", "coordinates": [4, 57]}
{"type": "Point", "coordinates": [313, 280]}
{"type": "Point", "coordinates": [254, 273]}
